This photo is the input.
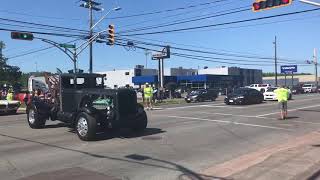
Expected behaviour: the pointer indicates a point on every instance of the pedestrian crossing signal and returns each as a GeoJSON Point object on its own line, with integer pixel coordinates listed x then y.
{"type": "Point", "coordinates": [269, 4]}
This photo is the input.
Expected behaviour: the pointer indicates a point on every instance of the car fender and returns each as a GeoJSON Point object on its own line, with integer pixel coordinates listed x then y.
{"type": "Point", "coordinates": [89, 110]}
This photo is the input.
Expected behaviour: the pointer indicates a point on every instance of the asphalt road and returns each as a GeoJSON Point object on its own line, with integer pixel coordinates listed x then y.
{"type": "Point", "coordinates": [180, 141]}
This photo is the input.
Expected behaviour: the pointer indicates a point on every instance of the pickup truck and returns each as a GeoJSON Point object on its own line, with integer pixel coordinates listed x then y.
{"type": "Point", "coordinates": [260, 87]}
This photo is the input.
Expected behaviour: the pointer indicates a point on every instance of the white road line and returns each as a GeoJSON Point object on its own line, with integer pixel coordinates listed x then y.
{"type": "Point", "coordinates": [185, 107]}
{"type": "Point", "coordinates": [272, 103]}
{"type": "Point", "coordinates": [235, 107]}
{"type": "Point", "coordinates": [229, 122]}
{"type": "Point", "coordinates": [289, 110]}
{"type": "Point", "coordinates": [225, 114]}
{"type": "Point", "coordinates": [236, 115]}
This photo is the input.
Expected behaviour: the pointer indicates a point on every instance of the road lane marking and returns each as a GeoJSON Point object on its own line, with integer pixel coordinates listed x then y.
{"type": "Point", "coordinates": [185, 107]}
{"type": "Point", "coordinates": [229, 122]}
{"type": "Point", "coordinates": [269, 103]}
{"type": "Point", "coordinates": [236, 107]}
{"type": "Point", "coordinates": [288, 110]}
{"type": "Point", "coordinates": [225, 114]}
{"type": "Point", "coordinates": [305, 122]}
{"type": "Point", "coordinates": [236, 115]}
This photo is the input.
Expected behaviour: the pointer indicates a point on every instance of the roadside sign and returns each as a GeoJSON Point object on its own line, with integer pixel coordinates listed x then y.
{"type": "Point", "coordinates": [288, 69]}
{"type": "Point", "coordinates": [67, 45]}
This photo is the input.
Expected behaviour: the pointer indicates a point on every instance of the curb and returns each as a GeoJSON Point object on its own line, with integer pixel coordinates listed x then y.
{"type": "Point", "coordinates": [244, 162]}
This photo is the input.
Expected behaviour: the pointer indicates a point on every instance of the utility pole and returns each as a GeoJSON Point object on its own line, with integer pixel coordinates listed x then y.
{"type": "Point", "coordinates": [315, 61]}
{"type": "Point", "coordinates": [146, 53]}
{"type": "Point", "coordinates": [36, 63]}
{"type": "Point", "coordinates": [91, 5]}
{"type": "Point", "coordinates": [275, 61]}
{"type": "Point", "coordinates": [90, 35]}
{"type": "Point", "coordinates": [2, 46]}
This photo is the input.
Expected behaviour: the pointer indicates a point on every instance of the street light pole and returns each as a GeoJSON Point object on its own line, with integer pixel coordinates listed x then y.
{"type": "Point", "coordinates": [315, 61]}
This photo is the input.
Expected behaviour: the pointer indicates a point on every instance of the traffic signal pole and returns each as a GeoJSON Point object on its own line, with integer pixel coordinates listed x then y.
{"type": "Point", "coordinates": [275, 61]}
{"type": "Point", "coordinates": [68, 52]}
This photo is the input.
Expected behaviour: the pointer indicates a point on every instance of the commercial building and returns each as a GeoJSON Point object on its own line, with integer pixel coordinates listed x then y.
{"type": "Point", "coordinates": [221, 77]}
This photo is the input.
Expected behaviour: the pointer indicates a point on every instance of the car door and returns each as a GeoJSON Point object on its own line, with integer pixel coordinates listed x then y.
{"type": "Point", "coordinates": [254, 96]}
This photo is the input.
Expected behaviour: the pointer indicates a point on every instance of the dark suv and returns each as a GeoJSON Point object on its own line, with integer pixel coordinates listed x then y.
{"type": "Point", "coordinates": [81, 101]}
{"type": "Point", "coordinates": [201, 95]}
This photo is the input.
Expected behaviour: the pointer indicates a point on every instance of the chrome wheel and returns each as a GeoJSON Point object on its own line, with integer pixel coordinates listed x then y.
{"type": "Point", "coordinates": [82, 126]}
{"type": "Point", "coordinates": [31, 116]}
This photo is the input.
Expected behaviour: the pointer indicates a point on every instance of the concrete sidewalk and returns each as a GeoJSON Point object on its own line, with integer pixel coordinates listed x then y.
{"type": "Point", "coordinates": [297, 159]}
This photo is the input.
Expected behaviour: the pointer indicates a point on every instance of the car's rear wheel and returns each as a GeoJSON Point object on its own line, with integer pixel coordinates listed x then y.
{"type": "Point", "coordinates": [35, 120]}
{"type": "Point", "coordinates": [86, 127]}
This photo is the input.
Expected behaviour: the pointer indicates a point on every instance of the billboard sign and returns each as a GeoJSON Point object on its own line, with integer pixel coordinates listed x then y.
{"type": "Point", "coordinates": [288, 69]}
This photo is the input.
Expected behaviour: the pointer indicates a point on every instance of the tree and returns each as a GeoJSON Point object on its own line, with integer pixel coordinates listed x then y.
{"type": "Point", "coordinates": [8, 74]}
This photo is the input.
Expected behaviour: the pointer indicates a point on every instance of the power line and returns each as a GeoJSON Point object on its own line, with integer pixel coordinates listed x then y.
{"type": "Point", "coordinates": [228, 59]}
{"type": "Point", "coordinates": [43, 25]}
{"type": "Point", "coordinates": [211, 59]}
{"type": "Point", "coordinates": [37, 16]}
{"type": "Point", "coordinates": [222, 24]}
{"type": "Point", "coordinates": [36, 51]}
{"type": "Point", "coordinates": [33, 27]}
{"type": "Point", "coordinates": [223, 13]}
{"type": "Point", "coordinates": [209, 52]}
{"type": "Point", "coordinates": [173, 15]}
{"type": "Point", "coordinates": [168, 10]}
{"type": "Point", "coordinates": [44, 33]}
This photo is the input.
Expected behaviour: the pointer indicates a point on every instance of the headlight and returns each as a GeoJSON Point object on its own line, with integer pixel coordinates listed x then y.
{"type": "Point", "coordinates": [240, 97]}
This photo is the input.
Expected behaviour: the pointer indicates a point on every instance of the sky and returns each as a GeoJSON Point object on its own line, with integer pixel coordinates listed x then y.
{"type": "Point", "coordinates": [297, 35]}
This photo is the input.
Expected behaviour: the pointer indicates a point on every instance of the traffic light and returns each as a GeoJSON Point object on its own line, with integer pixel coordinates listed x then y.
{"type": "Point", "coordinates": [111, 39]}
{"type": "Point", "coordinates": [22, 36]}
{"type": "Point", "coordinates": [269, 4]}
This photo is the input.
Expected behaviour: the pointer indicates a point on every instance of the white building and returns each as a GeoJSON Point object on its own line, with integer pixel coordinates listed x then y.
{"type": "Point", "coordinates": [123, 78]}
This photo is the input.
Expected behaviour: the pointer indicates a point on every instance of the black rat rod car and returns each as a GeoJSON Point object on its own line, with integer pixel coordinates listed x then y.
{"type": "Point", "coordinates": [81, 101]}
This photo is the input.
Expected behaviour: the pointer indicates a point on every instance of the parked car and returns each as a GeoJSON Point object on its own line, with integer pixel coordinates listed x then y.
{"type": "Point", "coordinates": [244, 96]}
{"type": "Point", "coordinates": [271, 95]}
{"type": "Point", "coordinates": [10, 107]}
{"type": "Point", "coordinates": [260, 87]}
{"type": "Point", "coordinates": [201, 95]}
{"type": "Point", "coordinates": [297, 90]}
{"type": "Point", "coordinates": [309, 88]}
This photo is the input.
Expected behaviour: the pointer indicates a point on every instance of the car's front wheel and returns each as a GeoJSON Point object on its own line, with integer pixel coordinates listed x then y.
{"type": "Point", "coordinates": [86, 126]}
{"type": "Point", "coordinates": [141, 122]}
{"type": "Point", "coordinates": [35, 120]}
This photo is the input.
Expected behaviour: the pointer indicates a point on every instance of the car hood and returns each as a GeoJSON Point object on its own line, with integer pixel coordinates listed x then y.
{"type": "Point", "coordinates": [5, 102]}
{"type": "Point", "coordinates": [269, 93]}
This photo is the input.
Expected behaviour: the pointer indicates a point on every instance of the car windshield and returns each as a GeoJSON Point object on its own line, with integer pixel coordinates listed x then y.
{"type": "Point", "coordinates": [271, 89]}
{"type": "Point", "coordinates": [307, 85]}
{"type": "Point", "coordinates": [194, 93]}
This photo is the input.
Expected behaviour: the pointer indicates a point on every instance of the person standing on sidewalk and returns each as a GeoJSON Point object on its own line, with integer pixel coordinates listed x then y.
{"type": "Point", "coordinates": [148, 93]}
{"type": "Point", "coordinates": [282, 96]}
